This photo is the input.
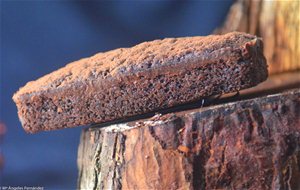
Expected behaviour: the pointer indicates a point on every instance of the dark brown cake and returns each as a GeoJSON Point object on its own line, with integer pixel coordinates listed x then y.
{"type": "Point", "coordinates": [147, 77]}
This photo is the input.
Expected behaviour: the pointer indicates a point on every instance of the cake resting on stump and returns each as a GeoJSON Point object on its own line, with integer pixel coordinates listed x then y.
{"type": "Point", "coordinates": [248, 144]}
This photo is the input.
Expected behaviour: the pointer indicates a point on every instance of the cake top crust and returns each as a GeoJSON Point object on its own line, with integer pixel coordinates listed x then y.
{"type": "Point", "coordinates": [142, 57]}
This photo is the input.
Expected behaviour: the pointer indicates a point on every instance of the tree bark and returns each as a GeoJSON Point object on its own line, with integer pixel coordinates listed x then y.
{"type": "Point", "coordinates": [252, 144]}
{"type": "Point", "coordinates": [277, 22]}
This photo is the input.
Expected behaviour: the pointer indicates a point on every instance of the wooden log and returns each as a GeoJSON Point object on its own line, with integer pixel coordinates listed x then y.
{"type": "Point", "coordinates": [250, 144]}
{"type": "Point", "coordinates": [277, 22]}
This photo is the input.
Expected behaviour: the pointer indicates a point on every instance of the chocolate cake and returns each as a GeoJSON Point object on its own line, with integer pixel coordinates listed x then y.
{"type": "Point", "coordinates": [147, 77]}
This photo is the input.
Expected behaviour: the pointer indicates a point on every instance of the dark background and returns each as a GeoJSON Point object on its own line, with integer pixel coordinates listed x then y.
{"type": "Point", "coordinates": [38, 37]}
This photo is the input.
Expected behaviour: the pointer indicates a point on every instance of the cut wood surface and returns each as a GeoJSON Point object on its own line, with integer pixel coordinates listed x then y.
{"type": "Point", "coordinates": [275, 83]}
{"type": "Point", "coordinates": [251, 144]}
{"type": "Point", "coordinates": [277, 22]}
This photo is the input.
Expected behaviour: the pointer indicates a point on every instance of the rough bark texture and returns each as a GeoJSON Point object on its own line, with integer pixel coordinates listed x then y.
{"type": "Point", "coordinates": [252, 144]}
{"type": "Point", "coordinates": [277, 22]}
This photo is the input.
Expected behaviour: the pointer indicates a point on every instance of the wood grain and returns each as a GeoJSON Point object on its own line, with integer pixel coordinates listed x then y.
{"type": "Point", "coordinates": [277, 22]}
{"type": "Point", "coordinates": [252, 144]}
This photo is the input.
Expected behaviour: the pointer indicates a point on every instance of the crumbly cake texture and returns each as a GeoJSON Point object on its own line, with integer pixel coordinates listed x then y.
{"type": "Point", "coordinates": [147, 77]}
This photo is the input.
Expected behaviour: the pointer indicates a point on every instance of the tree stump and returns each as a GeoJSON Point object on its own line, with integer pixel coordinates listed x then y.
{"type": "Point", "coordinates": [250, 144]}
{"type": "Point", "coordinates": [277, 22]}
